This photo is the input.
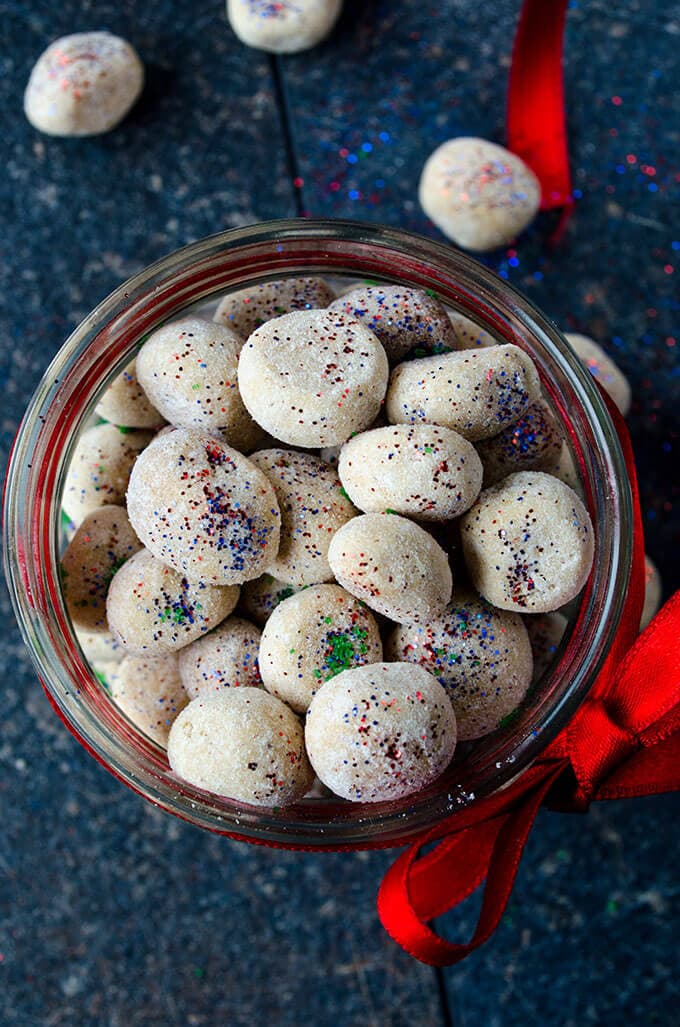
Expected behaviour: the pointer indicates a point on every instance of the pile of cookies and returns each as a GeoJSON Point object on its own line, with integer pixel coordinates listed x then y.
{"type": "Point", "coordinates": [310, 537]}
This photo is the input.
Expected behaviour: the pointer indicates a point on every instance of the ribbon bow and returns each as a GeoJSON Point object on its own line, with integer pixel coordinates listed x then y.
{"type": "Point", "coordinates": [623, 741]}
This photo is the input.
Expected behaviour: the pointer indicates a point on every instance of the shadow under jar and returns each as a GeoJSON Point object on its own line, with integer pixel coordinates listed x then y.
{"type": "Point", "coordinates": [193, 277]}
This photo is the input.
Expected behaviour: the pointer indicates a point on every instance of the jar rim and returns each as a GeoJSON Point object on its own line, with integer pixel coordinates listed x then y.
{"type": "Point", "coordinates": [106, 339]}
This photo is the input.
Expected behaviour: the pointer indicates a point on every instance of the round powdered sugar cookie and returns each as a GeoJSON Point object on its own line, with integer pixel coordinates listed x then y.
{"type": "Point", "coordinates": [203, 508]}
{"type": "Point", "coordinates": [422, 471]}
{"type": "Point", "coordinates": [259, 598]}
{"type": "Point", "coordinates": [242, 743]}
{"type": "Point", "coordinates": [126, 404]}
{"type": "Point", "coordinates": [311, 637]}
{"type": "Point", "coordinates": [546, 631]}
{"type": "Point", "coordinates": [477, 393]}
{"type": "Point", "coordinates": [528, 543]}
{"type": "Point", "coordinates": [603, 369]}
{"type": "Point", "coordinates": [313, 506]}
{"type": "Point", "coordinates": [403, 319]}
{"type": "Point", "coordinates": [189, 370]}
{"type": "Point", "coordinates": [83, 84]}
{"type": "Point", "coordinates": [470, 335]}
{"type": "Point", "coordinates": [151, 609]}
{"type": "Point", "coordinates": [532, 443]}
{"type": "Point", "coordinates": [313, 377]}
{"type": "Point", "coordinates": [226, 658]}
{"type": "Point", "coordinates": [100, 468]}
{"type": "Point", "coordinates": [393, 565]}
{"type": "Point", "coordinates": [100, 546]}
{"type": "Point", "coordinates": [380, 732]}
{"type": "Point", "coordinates": [286, 26]}
{"type": "Point", "coordinates": [246, 309]}
{"type": "Point", "coordinates": [100, 646]}
{"type": "Point", "coordinates": [150, 693]}
{"type": "Point", "coordinates": [478, 193]}
{"type": "Point", "coordinates": [480, 655]}
{"type": "Point", "coordinates": [653, 592]}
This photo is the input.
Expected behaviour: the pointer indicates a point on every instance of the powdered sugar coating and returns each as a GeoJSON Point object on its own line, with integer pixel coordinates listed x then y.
{"type": "Point", "coordinates": [380, 732]}
{"type": "Point", "coordinates": [403, 319]}
{"type": "Point", "coordinates": [528, 543]}
{"type": "Point", "coordinates": [264, 762]}
{"type": "Point", "coordinates": [564, 468]}
{"type": "Point", "coordinates": [259, 598]}
{"type": "Point", "coordinates": [203, 508]}
{"type": "Point", "coordinates": [393, 565]}
{"type": "Point", "coordinates": [100, 468]}
{"type": "Point", "coordinates": [480, 655]}
{"type": "Point", "coordinates": [83, 84]}
{"type": "Point", "coordinates": [477, 393]}
{"type": "Point", "coordinates": [126, 404]}
{"type": "Point", "coordinates": [246, 309]}
{"type": "Point", "coordinates": [603, 369]}
{"type": "Point", "coordinates": [100, 546]}
{"type": "Point", "coordinates": [286, 26]}
{"type": "Point", "coordinates": [532, 443]}
{"type": "Point", "coordinates": [422, 471]}
{"type": "Point", "coordinates": [100, 646]}
{"type": "Point", "coordinates": [226, 658]}
{"type": "Point", "coordinates": [151, 609]}
{"type": "Point", "coordinates": [546, 631]}
{"type": "Point", "coordinates": [312, 377]}
{"type": "Point", "coordinates": [313, 506]}
{"type": "Point", "coordinates": [470, 335]}
{"type": "Point", "coordinates": [653, 591]}
{"type": "Point", "coordinates": [311, 637]}
{"type": "Point", "coordinates": [189, 369]}
{"type": "Point", "coordinates": [149, 691]}
{"type": "Point", "coordinates": [478, 193]}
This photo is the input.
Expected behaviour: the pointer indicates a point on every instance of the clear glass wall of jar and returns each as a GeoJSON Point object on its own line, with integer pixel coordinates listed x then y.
{"type": "Point", "coordinates": [104, 343]}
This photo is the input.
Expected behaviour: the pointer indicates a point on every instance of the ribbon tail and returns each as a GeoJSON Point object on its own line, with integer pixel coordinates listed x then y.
{"type": "Point", "coordinates": [536, 122]}
{"type": "Point", "coordinates": [405, 908]}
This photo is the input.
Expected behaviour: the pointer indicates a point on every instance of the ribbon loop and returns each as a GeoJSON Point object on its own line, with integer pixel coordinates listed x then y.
{"type": "Point", "coordinates": [417, 888]}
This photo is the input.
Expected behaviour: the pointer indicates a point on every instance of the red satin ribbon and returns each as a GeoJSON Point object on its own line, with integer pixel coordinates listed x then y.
{"type": "Point", "coordinates": [535, 120]}
{"type": "Point", "coordinates": [623, 741]}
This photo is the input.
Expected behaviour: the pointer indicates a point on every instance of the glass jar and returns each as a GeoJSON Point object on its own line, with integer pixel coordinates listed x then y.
{"type": "Point", "coordinates": [99, 349]}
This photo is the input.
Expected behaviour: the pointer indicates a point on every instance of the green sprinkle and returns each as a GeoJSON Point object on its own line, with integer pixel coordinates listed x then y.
{"type": "Point", "coordinates": [432, 293]}
{"type": "Point", "coordinates": [113, 570]}
{"type": "Point", "coordinates": [341, 654]}
{"type": "Point", "coordinates": [291, 650]}
{"type": "Point", "coordinates": [388, 511]}
{"type": "Point", "coordinates": [429, 449]}
{"type": "Point", "coordinates": [328, 620]}
{"type": "Point", "coordinates": [344, 494]}
{"type": "Point", "coordinates": [102, 680]}
{"type": "Point", "coordinates": [195, 387]}
{"type": "Point", "coordinates": [124, 431]}
{"type": "Point", "coordinates": [509, 719]}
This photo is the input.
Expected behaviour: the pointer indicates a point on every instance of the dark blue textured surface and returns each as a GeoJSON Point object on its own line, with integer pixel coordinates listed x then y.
{"type": "Point", "coordinates": [114, 914]}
